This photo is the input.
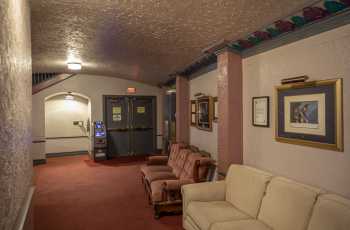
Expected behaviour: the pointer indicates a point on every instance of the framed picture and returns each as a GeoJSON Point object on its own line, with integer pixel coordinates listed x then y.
{"type": "Point", "coordinates": [310, 114]}
{"type": "Point", "coordinates": [216, 110]}
{"type": "Point", "coordinates": [193, 114]}
{"type": "Point", "coordinates": [261, 111]}
{"type": "Point", "coordinates": [205, 113]}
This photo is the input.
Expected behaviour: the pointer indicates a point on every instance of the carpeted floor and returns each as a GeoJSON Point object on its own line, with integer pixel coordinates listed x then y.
{"type": "Point", "coordinates": [74, 193]}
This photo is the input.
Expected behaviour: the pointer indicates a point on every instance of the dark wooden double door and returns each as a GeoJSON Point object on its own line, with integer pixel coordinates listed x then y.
{"type": "Point", "coordinates": [131, 125]}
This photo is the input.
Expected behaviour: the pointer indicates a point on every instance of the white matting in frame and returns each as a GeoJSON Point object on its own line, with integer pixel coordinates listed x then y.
{"type": "Point", "coordinates": [305, 114]}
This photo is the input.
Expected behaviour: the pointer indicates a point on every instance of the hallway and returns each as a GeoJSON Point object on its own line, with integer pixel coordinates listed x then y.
{"type": "Point", "coordinates": [74, 193]}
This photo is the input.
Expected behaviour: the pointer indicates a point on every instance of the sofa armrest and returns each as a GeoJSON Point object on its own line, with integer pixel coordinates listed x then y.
{"type": "Point", "coordinates": [157, 160]}
{"type": "Point", "coordinates": [207, 191]}
{"type": "Point", "coordinates": [173, 185]}
{"type": "Point", "coordinates": [153, 176]}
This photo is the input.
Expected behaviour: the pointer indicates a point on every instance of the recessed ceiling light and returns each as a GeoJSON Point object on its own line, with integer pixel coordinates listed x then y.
{"type": "Point", "coordinates": [74, 65]}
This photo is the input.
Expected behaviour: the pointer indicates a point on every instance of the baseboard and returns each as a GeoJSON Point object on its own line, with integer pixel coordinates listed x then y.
{"type": "Point", "coordinates": [39, 162]}
{"type": "Point", "coordinates": [65, 154]}
{"type": "Point", "coordinates": [24, 219]}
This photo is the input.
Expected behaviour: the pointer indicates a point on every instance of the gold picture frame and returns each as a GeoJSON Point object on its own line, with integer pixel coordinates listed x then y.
{"type": "Point", "coordinates": [333, 137]}
{"type": "Point", "coordinates": [193, 113]}
{"type": "Point", "coordinates": [215, 109]}
{"type": "Point", "coordinates": [205, 113]}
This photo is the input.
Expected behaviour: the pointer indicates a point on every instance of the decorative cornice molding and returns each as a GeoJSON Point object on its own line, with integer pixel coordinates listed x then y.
{"type": "Point", "coordinates": [333, 14]}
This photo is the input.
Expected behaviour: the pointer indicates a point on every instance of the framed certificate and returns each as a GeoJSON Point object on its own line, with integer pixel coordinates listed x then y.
{"type": "Point", "coordinates": [261, 113]}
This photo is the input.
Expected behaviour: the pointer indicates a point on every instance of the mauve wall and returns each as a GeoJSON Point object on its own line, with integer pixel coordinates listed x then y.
{"type": "Point", "coordinates": [324, 56]}
{"type": "Point", "coordinates": [15, 109]}
{"type": "Point", "coordinates": [206, 84]}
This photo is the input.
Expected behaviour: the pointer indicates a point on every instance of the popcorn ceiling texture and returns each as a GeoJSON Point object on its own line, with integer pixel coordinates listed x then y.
{"type": "Point", "coordinates": [143, 40]}
{"type": "Point", "coordinates": [15, 109]}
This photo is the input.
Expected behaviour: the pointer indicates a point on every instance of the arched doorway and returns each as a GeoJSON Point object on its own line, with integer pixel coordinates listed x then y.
{"type": "Point", "coordinates": [67, 124]}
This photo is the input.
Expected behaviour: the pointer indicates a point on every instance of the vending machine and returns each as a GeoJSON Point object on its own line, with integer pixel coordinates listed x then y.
{"type": "Point", "coordinates": [99, 141]}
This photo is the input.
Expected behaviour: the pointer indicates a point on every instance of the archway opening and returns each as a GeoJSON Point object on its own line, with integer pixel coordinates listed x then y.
{"type": "Point", "coordinates": [67, 124]}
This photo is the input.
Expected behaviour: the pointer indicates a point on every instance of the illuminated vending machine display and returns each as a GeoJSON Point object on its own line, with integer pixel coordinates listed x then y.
{"type": "Point", "coordinates": [99, 141]}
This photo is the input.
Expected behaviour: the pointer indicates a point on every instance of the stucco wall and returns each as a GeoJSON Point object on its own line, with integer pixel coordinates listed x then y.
{"type": "Point", "coordinates": [323, 56]}
{"type": "Point", "coordinates": [206, 84]}
{"type": "Point", "coordinates": [93, 87]}
{"type": "Point", "coordinates": [15, 109]}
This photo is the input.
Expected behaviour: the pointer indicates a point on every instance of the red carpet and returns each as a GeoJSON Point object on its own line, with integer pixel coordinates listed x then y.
{"type": "Point", "coordinates": [74, 193]}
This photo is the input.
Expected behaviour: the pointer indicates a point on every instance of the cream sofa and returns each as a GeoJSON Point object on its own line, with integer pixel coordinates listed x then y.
{"type": "Point", "coordinates": [251, 199]}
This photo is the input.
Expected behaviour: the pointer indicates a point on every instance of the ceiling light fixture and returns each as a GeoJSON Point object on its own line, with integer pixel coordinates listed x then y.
{"type": "Point", "coordinates": [69, 96]}
{"type": "Point", "coordinates": [131, 90]}
{"type": "Point", "coordinates": [74, 65]}
{"type": "Point", "coordinates": [170, 91]}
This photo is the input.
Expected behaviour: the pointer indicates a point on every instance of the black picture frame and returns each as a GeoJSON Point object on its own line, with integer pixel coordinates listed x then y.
{"type": "Point", "coordinates": [266, 124]}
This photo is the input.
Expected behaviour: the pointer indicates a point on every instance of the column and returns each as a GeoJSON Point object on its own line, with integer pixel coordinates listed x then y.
{"type": "Point", "coordinates": [230, 130]}
{"type": "Point", "coordinates": [16, 163]}
{"type": "Point", "coordinates": [182, 110]}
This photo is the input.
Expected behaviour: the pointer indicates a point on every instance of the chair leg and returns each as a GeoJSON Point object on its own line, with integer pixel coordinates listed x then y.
{"type": "Point", "coordinates": [156, 212]}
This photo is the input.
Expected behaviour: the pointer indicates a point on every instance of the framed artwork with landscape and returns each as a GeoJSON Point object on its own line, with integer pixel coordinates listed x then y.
{"type": "Point", "coordinates": [311, 114]}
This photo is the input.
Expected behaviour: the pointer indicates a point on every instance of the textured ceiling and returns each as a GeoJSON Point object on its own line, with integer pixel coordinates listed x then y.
{"type": "Point", "coordinates": [143, 40]}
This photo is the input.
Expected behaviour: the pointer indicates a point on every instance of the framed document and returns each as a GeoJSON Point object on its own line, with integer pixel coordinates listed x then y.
{"type": "Point", "coordinates": [311, 114]}
{"type": "Point", "coordinates": [261, 113]}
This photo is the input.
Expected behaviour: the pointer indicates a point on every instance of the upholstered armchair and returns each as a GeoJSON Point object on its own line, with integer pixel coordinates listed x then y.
{"type": "Point", "coordinates": [166, 194]}
{"type": "Point", "coordinates": [161, 163]}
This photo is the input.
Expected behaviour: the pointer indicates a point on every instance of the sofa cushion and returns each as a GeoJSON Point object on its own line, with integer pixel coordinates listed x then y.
{"type": "Point", "coordinates": [204, 214]}
{"type": "Point", "coordinates": [174, 153]}
{"type": "Point", "coordinates": [331, 212]}
{"type": "Point", "coordinates": [240, 225]}
{"type": "Point", "coordinates": [245, 188]}
{"type": "Point", "coordinates": [180, 162]}
{"type": "Point", "coordinates": [190, 168]}
{"type": "Point", "coordinates": [287, 205]}
{"type": "Point", "coordinates": [188, 224]}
